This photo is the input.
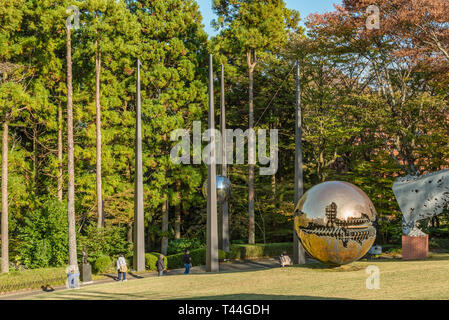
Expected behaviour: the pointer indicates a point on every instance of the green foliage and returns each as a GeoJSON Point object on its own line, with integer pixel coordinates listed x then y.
{"type": "Point", "coordinates": [42, 239]}
{"type": "Point", "coordinates": [102, 264]}
{"type": "Point", "coordinates": [151, 259]}
{"type": "Point", "coordinates": [390, 231]}
{"type": "Point", "coordinates": [258, 25]}
{"type": "Point", "coordinates": [439, 233]}
{"type": "Point", "coordinates": [110, 241]}
{"type": "Point", "coordinates": [363, 122]}
{"type": "Point", "coordinates": [32, 279]}
{"type": "Point", "coordinates": [181, 245]}
{"type": "Point", "coordinates": [438, 243]}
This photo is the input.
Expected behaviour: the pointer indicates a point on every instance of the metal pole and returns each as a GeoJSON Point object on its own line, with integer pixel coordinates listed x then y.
{"type": "Point", "coordinates": [212, 223]}
{"type": "Point", "coordinates": [139, 236]}
{"type": "Point", "coordinates": [299, 256]}
{"type": "Point", "coordinates": [224, 169]}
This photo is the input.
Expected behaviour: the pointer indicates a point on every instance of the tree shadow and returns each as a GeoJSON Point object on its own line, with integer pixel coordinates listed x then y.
{"type": "Point", "coordinates": [255, 296]}
{"type": "Point", "coordinates": [135, 276]}
{"type": "Point", "coordinates": [93, 295]}
{"type": "Point", "coordinates": [111, 276]}
{"type": "Point", "coordinates": [128, 274]}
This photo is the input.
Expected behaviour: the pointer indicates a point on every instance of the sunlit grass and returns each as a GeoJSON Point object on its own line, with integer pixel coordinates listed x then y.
{"type": "Point", "coordinates": [426, 279]}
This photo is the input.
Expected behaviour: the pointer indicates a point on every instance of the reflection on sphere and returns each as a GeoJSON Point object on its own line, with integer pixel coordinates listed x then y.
{"type": "Point", "coordinates": [223, 189]}
{"type": "Point", "coordinates": [334, 221]}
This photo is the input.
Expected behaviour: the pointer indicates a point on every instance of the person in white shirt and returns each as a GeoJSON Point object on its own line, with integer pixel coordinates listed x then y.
{"type": "Point", "coordinates": [121, 268]}
{"type": "Point", "coordinates": [285, 260]}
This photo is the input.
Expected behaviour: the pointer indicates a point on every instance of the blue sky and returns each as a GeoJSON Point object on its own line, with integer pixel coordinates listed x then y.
{"type": "Point", "coordinates": [305, 7]}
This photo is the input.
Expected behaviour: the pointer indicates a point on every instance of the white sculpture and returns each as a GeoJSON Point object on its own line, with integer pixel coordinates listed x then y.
{"type": "Point", "coordinates": [421, 197]}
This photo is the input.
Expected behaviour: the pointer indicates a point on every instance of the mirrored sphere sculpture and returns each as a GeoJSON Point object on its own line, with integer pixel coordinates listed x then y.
{"type": "Point", "coordinates": [223, 189]}
{"type": "Point", "coordinates": [334, 221]}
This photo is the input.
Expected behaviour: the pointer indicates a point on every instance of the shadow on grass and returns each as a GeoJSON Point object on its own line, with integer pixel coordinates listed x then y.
{"type": "Point", "coordinates": [325, 267]}
{"type": "Point", "coordinates": [255, 296]}
{"type": "Point", "coordinates": [93, 295]}
{"type": "Point", "coordinates": [354, 267]}
{"type": "Point", "coordinates": [128, 274]}
{"type": "Point", "coordinates": [431, 257]}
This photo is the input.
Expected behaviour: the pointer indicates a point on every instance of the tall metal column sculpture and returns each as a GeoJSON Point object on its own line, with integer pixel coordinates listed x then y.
{"type": "Point", "coordinates": [299, 256]}
{"type": "Point", "coordinates": [224, 170]}
{"type": "Point", "coordinates": [212, 223]}
{"type": "Point", "coordinates": [139, 236]}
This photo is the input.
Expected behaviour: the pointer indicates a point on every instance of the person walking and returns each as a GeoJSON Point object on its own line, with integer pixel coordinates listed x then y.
{"type": "Point", "coordinates": [160, 265]}
{"type": "Point", "coordinates": [187, 261]}
{"type": "Point", "coordinates": [122, 268]}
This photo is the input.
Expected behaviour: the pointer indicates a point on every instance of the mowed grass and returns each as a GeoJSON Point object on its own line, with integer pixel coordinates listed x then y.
{"type": "Point", "coordinates": [426, 279]}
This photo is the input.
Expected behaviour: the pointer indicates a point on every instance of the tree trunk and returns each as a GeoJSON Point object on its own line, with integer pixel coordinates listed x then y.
{"type": "Point", "coordinates": [251, 149]}
{"type": "Point", "coordinates": [100, 222]}
{"type": "Point", "coordinates": [164, 243]}
{"type": "Point", "coordinates": [5, 239]}
{"type": "Point", "coordinates": [70, 160]}
{"type": "Point", "coordinates": [60, 172]}
{"type": "Point", "coordinates": [178, 212]}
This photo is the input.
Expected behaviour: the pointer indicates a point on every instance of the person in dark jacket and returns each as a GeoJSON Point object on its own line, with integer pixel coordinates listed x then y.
{"type": "Point", "coordinates": [187, 261]}
{"type": "Point", "coordinates": [160, 265]}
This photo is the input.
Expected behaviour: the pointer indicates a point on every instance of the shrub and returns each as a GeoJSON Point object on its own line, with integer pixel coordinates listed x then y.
{"type": "Point", "coordinates": [34, 247]}
{"type": "Point", "coordinates": [198, 258]}
{"type": "Point", "coordinates": [102, 264]}
{"type": "Point", "coordinates": [109, 241]}
{"type": "Point", "coordinates": [181, 245]}
{"type": "Point", "coordinates": [437, 243]}
{"type": "Point", "coordinates": [150, 260]}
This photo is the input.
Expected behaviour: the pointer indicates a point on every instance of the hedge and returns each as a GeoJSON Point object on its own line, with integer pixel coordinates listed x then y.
{"type": "Point", "coordinates": [32, 279]}
{"type": "Point", "coordinates": [198, 256]}
{"type": "Point", "coordinates": [253, 251]}
{"type": "Point", "coordinates": [237, 251]}
{"type": "Point", "coordinates": [151, 259]}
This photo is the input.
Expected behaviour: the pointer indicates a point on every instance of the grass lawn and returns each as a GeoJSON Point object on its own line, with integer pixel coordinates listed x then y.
{"type": "Point", "coordinates": [426, 279]}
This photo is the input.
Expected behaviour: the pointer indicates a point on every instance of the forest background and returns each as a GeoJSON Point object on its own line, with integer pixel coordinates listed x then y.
{"type": "Point", "coordinates": [375, 106]}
